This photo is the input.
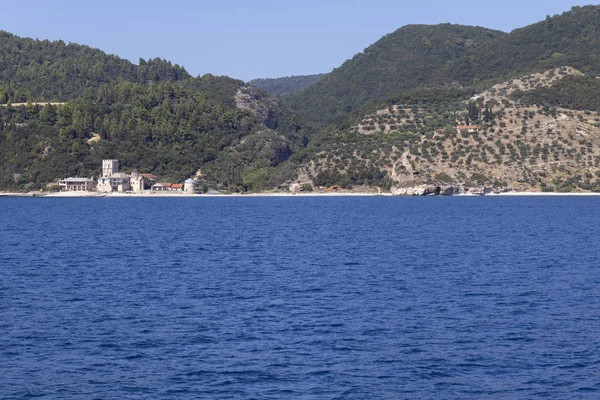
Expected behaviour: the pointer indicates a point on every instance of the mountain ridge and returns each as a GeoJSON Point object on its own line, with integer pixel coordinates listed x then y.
{"type": "Point", "coordinates": [571, 38]}
{"type": "Point", "coordinates": [381, 69]}
{"type": "Point", "coordinates": [286, 85]}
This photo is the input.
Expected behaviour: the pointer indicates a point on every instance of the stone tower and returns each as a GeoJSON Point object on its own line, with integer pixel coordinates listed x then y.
{"type": "Point", "coordinates": [109, 167]}
{"type": "Point", "coordinates": [190, 186]}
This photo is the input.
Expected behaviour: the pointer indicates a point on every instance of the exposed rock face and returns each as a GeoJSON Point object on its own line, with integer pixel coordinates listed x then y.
{"type": "Point", "coordinates": [477, 191]}
{"type": "Point", "coordinates": [450, 190]}
{"type": "Point", "coordinates": [422, 190]}
{"type": "Point", "coordinates": [418, 190]}
{"type": "Point", "coordinates": [263, 106]}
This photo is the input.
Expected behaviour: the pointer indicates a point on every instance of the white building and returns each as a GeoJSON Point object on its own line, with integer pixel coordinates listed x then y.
{"type": "Point", "coordinates": [114, 181]}
{"type": "Point", "coordinates": [77, 184]}
{"type": "Point", "coordinates": [136, 181]}
{"type": "Point", "coordinates": [189, 186]}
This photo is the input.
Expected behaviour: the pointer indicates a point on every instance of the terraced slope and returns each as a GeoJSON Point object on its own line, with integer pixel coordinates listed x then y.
{"type": "Point", "coordinates": [507, 145]}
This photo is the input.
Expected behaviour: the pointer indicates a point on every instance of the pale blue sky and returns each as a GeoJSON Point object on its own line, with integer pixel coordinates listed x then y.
{"type": "Point", "coordinates": [254, 39]}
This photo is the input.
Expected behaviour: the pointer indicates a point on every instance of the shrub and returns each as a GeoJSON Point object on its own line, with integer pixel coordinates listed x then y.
{"type": "Point", "coordinates": [443, 178]}
{"type": "Point", "coordinates": [306, 187]}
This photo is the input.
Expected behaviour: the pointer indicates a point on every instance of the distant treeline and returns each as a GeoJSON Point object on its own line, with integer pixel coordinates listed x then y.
{"type": "Point", "coordinates": [287, 85]}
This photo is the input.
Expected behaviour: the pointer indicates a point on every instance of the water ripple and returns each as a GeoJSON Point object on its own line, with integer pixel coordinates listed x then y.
{"type": "Point", "coordinates": [338, 298]}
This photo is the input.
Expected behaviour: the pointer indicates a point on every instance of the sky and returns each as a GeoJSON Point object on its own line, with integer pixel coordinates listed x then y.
{"type": "Point", "coordinates": [248, 39]}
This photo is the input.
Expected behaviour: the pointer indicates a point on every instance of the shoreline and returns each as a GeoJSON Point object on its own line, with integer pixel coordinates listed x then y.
{"type": "Point", "coordinates": [274, 194]}
{"type": "Point", "coordinates": [184, 195]}
{"type": "Point", "coordinates": [543, 194]}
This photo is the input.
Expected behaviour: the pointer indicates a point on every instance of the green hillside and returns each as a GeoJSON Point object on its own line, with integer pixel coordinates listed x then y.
{"type": "Point", "coordinates": [45, 70]}
{"type": "Point", "coordinates": [163, 129]}
{"type": "Point", "coordinates": [452, 55]}
{"type": "Point", "coordinates": [405, 59]}
{"type": "Point", "coordinates": [535, 133]}
{"type": "Point", "coordinates": [153, 117]}
{"type": "Point", "coordinates": [573, 92]}
{"type": "Point", "coordinates": [571, 39]}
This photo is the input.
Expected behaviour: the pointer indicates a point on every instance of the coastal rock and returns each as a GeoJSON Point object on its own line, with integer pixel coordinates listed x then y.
{"type": "Point", "coordinates": [432, 191]}
{"type": "Point", "coordinates": [417, 190]}
{"type": "Point", "coordinates": [450, 191]}
{"type": "Point", "coordinates": [478, 191]}
{"type": "Point", "coordinates": [426, 190]}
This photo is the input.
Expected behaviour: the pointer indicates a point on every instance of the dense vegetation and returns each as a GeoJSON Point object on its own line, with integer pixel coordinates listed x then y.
{"type": "Point", "coordinates": [405, 59]}
{"type": "Point", "coordinates": [153, 116]}
{"type": "Point", "coordinates": [573, 92]}
{"type": "Point", "coordinates": [54, 71]}
{"type": "Point", "coordinates": [287, 85]}
{"type": "Point", "coordinates": [164, 129]}
{"type": "Point", "coordinates": [451, 55]}
{"type": "Point", "coordinates": [572, 38]}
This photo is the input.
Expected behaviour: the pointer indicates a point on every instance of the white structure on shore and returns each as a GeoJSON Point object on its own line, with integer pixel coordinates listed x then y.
{"type": "Point", "coordinates": [189, 186]}
{"type": "Point", "coordinates": [77, 184]}
{"type": "Point", "coordinates": [114, 181]}
{"type": "Point", "coordinates": [136, 181]}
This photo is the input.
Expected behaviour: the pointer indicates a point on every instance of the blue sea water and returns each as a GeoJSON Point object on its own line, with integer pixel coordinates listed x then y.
{"type": "Point", "coordinates": [300, 298]}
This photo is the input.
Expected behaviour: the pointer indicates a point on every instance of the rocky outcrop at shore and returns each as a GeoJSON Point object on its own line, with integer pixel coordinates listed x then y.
{"type": "Point", "coordinates": [443, 190]}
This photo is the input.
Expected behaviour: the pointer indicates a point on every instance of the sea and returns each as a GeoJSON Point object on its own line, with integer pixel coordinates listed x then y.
{"type": "Point", "coordinates": [300, 298]}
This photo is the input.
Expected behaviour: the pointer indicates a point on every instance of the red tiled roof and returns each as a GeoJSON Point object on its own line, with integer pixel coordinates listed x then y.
{"type": "Point", "coordinates": [177, 186]}
{"type": "Point", "coordinates": [465, 127]}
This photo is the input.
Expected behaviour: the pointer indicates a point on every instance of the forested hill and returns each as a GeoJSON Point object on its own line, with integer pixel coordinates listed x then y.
{"type": "Point", "coordinates": [153, 117]}
{"type": "Point", "coordinates": [446, 55]}
{"type": "Point", "coordinates": [32, 69]}
{"type": "Point", "coordinates": [287, 85]}
{"type": "Point", "coordinates": [570, 39]}
{"type": "Point", "coordinates": [407, 58]}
